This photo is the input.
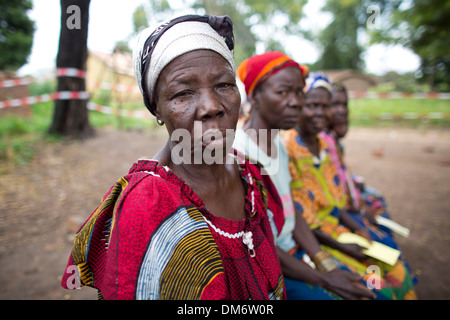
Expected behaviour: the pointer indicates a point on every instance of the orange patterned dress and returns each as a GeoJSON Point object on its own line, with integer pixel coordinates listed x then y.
{"type": "Point", "coordinates": [319, 197]}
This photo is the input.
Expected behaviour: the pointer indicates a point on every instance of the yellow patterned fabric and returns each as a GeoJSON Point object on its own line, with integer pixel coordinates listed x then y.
{"type": "Point", "coordinates": [319, 196]}
{"type": "Point", "coordinates": [315, 186]}
{"type": "Point", "coordinates": [84, 235]}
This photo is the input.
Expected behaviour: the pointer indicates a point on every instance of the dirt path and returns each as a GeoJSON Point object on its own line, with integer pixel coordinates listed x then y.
{"type": "Point", "coordinates": [42, 203]}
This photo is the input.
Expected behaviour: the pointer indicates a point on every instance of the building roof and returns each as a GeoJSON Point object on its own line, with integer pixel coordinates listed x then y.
{"type": "Point", "coordinates": [345, 74]}
{"type": "Point", "coordinates": [120, 62]}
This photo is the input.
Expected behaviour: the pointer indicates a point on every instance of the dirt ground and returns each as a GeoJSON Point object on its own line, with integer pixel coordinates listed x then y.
{"type": "Point", "coordinates": [41, 204]}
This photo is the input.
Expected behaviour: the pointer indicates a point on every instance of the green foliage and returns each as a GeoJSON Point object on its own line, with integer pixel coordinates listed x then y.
{"type": "Point", "coordinates": [140, 20]}
{"type": "Point", "coordinates": [245, 40]}
{"type": "Point", "coordinates": [393, 81]}
{"type": "Point", "coordinates": [20, 137]}
{"type": "Point", "coordinates": [246, 15]}
{"type": "Point", "coordinates": [16, 34]}
{"type": "Point", "coordinates": [40, 88]}
{"type": "Point", "coordinates": [339, 40]}
{"type": "Point", "coordinates": [122, 46]}
{"type": "Point", "coordinates": [423, 26]}
{"type": "Point", "coordinates": [266, 10]}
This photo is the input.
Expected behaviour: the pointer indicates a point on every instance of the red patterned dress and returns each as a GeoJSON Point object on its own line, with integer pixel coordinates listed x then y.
{"type": "Point", "coordinates": [153, 238]}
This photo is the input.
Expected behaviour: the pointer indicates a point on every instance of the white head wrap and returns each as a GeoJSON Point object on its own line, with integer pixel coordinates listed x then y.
{"type": "Point", "coordinates": [181, 38]}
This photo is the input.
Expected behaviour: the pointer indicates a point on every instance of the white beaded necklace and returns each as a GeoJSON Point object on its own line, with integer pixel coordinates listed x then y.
{"type": "Point", "coordinates": [247, 238]}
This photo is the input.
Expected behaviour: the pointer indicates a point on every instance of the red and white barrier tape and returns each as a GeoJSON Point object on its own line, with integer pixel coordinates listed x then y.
{"type": "Point", "coordinates": [69, 95]}
{"type": "Point", "coordinates": [60, 72]}
{"type": "Point", "coordinates": [141, 114]}
{"type": "Point", "coordinates": [61, 95]}
{"type": "Point", "coordinates": [404, 116]}
{"type": "Point", "coordinates": [15, 82]}
{"type": "Point", "coordinates": [398, 95]}
{"type": "Point", "coordinates": [70, 72]}
{"type": "Point", "coordinates": [73, 72]}
{"type": "Point", "coordinates": [114, 87]}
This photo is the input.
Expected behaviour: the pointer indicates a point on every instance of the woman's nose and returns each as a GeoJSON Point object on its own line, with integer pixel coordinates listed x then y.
{"type": "Point", "coordinates": [295, 100]}
{"type": "Point", "coordinates": [320, 110]}
{"type": "Point", "coordinates": [209, 106]}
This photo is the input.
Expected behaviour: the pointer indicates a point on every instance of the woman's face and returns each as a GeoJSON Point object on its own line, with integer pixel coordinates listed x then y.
{"type": "Point", "coordinates": [280, 98]}
{"type": "Point", "coordinates": [339, 113]}
{"type": "Point", "coordinates": [313, 117]}
{"type": "Point", "coordinates": [197, 90]}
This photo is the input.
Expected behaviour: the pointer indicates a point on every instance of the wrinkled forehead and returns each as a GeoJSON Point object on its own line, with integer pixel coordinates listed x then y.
{"type": "Point", "coordinates": [189, 66]}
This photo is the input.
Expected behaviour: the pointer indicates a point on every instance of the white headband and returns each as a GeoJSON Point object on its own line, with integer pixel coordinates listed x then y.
{"type": "Point", "coordinates": [179, 39]}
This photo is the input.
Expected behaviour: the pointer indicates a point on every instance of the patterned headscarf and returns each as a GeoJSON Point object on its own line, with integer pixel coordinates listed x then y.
{"type": "Point", "coordinates": [156, 48]}
{"type": "Point", "coordinates": [318, 80]}
{"type": "Point", "coordinates": [255, 70]}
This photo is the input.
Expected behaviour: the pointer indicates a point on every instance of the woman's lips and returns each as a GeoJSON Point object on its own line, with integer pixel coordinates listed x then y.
{"type": "Point", "coordinates": [214, 138]}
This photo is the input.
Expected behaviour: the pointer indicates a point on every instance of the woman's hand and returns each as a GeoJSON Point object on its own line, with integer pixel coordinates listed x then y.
{"type": "Point", "coordinates": [370, 215]}
{"type": "Point", "coordinates": [348, 285]}
{"type": "Point", "coordinates": [363, 233]}
{"type": "Point", "coordinates": [354, 250]}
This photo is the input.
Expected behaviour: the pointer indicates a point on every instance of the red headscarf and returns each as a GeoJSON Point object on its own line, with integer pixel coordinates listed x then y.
{"type": "Point", "coordinates": [253, 71]}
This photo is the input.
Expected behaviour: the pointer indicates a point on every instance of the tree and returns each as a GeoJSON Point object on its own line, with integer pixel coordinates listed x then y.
{"type": "Point", "coordinates": [70, 117]}
{"type": "Point", "coordinates": [422, 26]}
{"type": "Point", "coordinates": [245, 40]}
{"type": "Point", "coordinates": [16, 34]}
{"type": "Point", "coordinates": [339, 40]}
{"type": "Point", "coordinates": [247, 16]}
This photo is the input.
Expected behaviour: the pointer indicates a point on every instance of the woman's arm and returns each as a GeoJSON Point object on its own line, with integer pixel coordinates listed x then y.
{"type": "Point", "coordinates": [351, 249]}
{"type": "Point", "coordinates": [343, 283]}
{"type": "Point", "coordinates": [304, 236]}
{"type": "Point", "coordinates": [350, 223]}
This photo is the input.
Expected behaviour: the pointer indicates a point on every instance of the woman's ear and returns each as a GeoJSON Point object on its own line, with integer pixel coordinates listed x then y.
{"type": "Point", "coordinates": [158, 116]}
{"type": "Point", "coordinates": [253, 99]}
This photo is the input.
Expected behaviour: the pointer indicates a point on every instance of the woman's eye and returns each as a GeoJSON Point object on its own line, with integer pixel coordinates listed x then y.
{"type": "Point", "coordinates": [224, 85]}
{"type": "Point", "coordinates": [283, 92]}
{"type": "Point", "coordinates": [181, 94]}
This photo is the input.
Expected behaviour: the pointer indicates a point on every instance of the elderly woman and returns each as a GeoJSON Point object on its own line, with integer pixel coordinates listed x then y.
{"type": "Point", "coordinates": [361, 199]}
{"type": "Point", "coordinates": [190, 229]}
{"type": "Point", "coordinates": [363, 203]}
{"type": "Point", "coordinates": [274, 87]}
{"type": "Point", "coordinates": [319, 196]}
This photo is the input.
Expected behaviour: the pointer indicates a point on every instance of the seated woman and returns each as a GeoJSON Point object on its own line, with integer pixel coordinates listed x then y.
{"type": "Point", "coordinates": [363, 203]}
{"type": "Point", "coordinates": [362, 200]}
{"type": "Point", "coordinates": [319, 196]}
{"type": "Point", "coordinates": [191, 229]}
{"type": "Point", "coordinates": [274, 87]}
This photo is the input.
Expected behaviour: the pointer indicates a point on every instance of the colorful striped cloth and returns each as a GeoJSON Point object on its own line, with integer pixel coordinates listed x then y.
{"type": "Point", "coordinates": [318, 195]}
{"type": "Point", "coordinates": [153, 238]}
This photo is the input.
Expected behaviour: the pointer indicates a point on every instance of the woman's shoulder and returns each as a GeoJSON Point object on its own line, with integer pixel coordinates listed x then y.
{"type": "Point", "coordinates": [294, 145]}
{"type": "Point", "coordinates": [146, 182]}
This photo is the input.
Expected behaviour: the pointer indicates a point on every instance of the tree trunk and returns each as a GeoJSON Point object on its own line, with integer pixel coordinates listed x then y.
{"type": "Point", "coordinates": [70, 117]}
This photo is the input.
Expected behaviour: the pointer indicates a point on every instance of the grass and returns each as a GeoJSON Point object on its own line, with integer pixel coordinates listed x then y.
{"type": "Point", "coordinates": [21, 137]}
{"type": "Point", "coordinates": [370, 112]}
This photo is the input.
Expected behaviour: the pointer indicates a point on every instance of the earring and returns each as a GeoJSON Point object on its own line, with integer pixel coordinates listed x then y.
{"type": "Point", "coordinates": [160, 122]}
